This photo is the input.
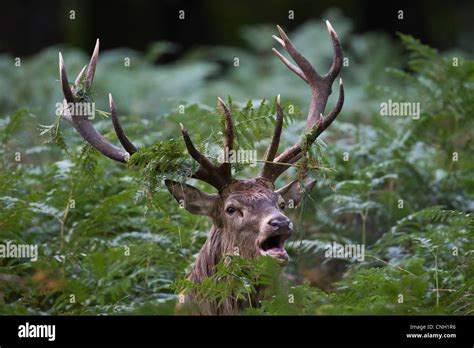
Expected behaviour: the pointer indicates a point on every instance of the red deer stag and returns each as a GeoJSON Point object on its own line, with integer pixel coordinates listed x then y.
{"type": "Point", "coordinates": [246, 214]}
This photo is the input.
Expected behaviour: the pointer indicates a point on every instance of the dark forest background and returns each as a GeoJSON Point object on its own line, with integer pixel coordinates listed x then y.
{"type": "Point", "coordinates": [27, 26]}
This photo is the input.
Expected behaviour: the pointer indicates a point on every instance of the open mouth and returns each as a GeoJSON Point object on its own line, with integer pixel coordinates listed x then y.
{"type": "Point", "coordinates": [274, 246]}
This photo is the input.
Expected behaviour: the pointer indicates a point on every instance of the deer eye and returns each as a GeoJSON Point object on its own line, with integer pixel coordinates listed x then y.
{"type": "Point", "coordinates": [282, 205]}
{"type": "Point", "coordinates": [230, 210]}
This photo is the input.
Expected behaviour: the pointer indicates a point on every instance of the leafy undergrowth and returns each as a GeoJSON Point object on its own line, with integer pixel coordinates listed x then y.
{"type": "Point", "coordinates": [112, 241]}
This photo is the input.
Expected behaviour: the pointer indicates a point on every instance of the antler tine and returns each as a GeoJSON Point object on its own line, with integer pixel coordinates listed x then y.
{"type": "Point", "coordinates": [337, 108]}
{"type": "Point", "coordinates": [81, 122]}
{"type": "Point", "coordinates": [122, 137]}
{"type": "Point", "coordinates": [90, 73]}
{"type": "Point", "coordinates": [275, 142]}
{"type": "Point", "coordinates": [194, 152]}
{"type": "Point", "coordinates": [336, 64]}
{"type": "Point", "coordinates": [312, 77]}
{"type": "Point", "coordinates": [273, 147]}
{"type": "Point", "coordinates": [289, 64]}
{"type": "Point", "coordinates": [64, 81]}
{"type": "Point", "coordinates": [66, 115]}
{"type": "Point", "coordinates": [207, 172]}
{"type": "Point", "coordinates": [320, 91]}
{"type": "Point", "coordinates": [306, 68]}
{"type": "Point", "coordinates": [78, 79]}
{"type": "Point", "coordinates": [226, 167]}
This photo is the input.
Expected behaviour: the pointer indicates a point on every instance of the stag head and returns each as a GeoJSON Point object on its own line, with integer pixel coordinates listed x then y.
{"type": "Point", "coordinates": [248, 216]}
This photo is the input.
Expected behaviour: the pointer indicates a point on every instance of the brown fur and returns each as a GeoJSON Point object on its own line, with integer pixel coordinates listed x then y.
{"type": "Point", "coordinates": [241, 232]}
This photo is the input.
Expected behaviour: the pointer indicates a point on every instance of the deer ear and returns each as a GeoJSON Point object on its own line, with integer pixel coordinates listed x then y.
{"type": "Point", "coordinates": [294, 190]}
{"type": "Point", "coordinates": [195, 201]}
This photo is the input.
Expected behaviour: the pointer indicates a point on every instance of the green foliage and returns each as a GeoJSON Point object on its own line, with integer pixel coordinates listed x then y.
{"type": "Point", "coordinates": [235, 278]}
{"type": "Point", "coordinates": [111, 237]}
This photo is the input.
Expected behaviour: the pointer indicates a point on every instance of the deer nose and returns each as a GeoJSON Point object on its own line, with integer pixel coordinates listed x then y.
{"type": "Point", "coordinates": [280, 222]}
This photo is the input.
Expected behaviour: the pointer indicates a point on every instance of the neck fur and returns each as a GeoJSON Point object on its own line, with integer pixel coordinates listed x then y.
{"type": "Point", "coordinates": [209, 256]}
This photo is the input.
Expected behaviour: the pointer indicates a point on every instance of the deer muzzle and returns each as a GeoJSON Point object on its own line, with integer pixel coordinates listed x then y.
{"type": "Point", "coordinates": [275, 233]}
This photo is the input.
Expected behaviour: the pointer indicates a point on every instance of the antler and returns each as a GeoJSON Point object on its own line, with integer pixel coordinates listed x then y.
{"type": "Point", "coordinates": [316, 123]}
{"type": "Point", "coordinates": [82, 123]}
{"type": "Point", "coordinates": [217, 176]}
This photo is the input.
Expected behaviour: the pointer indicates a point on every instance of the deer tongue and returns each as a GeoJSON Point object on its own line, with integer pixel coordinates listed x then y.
{"type": "Point", "coordinates": [277, 252]}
